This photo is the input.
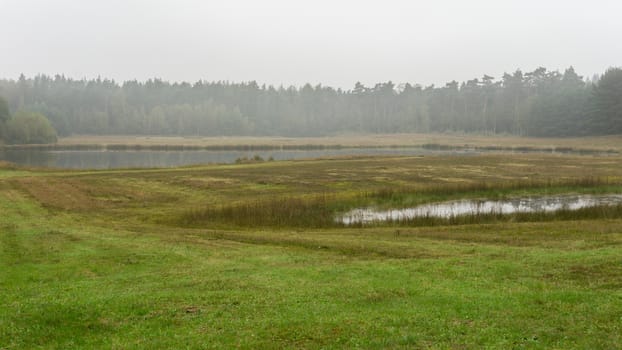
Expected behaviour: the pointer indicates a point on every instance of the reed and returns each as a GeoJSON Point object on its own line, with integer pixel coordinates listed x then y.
{"type": "Point", "coordinates": [315, 211]}
{"type": "Point", "coordinates": [322, 211]}
{"type": "Point", "coordinates": [518, 149]}
{"type": "Point", "coordinates": [399, 196]}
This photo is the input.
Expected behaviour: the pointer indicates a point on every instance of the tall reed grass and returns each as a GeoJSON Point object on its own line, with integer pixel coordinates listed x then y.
{"type": "Point", "coordinates": [394, 195]}
{"type": "Point", "coordinates": [316, 211]}
{"type": "Point", "coordinates": [518, 149]}
{"type": "Point", "coordinates": [322, 211]}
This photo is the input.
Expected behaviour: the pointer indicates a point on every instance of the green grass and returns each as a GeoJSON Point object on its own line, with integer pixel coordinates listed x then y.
{"type": "Point", "coordinates": [96, 259]}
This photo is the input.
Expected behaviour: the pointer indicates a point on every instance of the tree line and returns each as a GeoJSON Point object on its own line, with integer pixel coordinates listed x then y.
{"type": "Point", "coordinates": [537, 103]}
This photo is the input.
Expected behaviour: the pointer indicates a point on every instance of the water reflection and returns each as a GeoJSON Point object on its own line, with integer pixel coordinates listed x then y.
{"type": "Point", "coordinates": [108, 159]}
{"type": "Point", "coordinates": [473, 207]}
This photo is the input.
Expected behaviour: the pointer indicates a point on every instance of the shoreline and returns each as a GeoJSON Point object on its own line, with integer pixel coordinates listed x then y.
{"type": "Point", "coordinates": [586, 145]}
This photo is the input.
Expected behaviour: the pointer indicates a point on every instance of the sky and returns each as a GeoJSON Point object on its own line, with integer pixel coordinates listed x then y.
{"type": "Point", "coordinates": [290, 42]}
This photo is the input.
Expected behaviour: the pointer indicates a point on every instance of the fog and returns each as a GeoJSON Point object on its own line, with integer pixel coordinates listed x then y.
{"type": "Point", "coordinates": [294, 42]}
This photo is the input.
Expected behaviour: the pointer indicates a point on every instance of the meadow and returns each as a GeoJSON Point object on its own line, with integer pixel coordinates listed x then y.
{"type": "Point", "coordinates": [248, 256]}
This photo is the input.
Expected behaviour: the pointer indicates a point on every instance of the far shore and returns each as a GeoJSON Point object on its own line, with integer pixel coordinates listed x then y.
{"type": "Point", "coordinates": [441, 141]}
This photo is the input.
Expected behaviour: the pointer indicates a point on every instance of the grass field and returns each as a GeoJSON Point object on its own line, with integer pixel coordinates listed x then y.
{"type": "Point", "coordinates": [161, 258]}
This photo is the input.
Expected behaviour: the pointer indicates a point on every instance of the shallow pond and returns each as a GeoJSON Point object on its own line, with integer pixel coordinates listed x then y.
{"type": "Point", "coordinates": [474, 207]}
{"type": "Point", "coordinates": [113, 159]}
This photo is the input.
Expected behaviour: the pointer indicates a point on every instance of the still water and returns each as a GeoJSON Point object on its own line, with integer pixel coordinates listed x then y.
{"type": "Point", "coordinates": [474, 207]}
{"type": "Point", "coordinates": [108, 159]}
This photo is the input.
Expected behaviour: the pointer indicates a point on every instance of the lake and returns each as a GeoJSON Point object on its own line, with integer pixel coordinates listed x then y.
{"type": "Point", "coordinates": [116, 159]}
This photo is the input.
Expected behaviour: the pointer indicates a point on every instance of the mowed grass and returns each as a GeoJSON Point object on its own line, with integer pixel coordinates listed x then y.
{"type": "Point", "coordinates": [100, 260]}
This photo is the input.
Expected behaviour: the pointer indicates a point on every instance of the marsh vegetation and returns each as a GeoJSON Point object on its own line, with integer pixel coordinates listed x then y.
{"type": "Point", "coordinates": [479, 203]}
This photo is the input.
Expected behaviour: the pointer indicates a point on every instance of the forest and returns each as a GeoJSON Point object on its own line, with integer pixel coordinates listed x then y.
{"type": "Point", "coordinates": [537, 103]}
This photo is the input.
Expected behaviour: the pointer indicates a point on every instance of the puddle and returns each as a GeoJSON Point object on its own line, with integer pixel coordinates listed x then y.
{"type": "Point", "coordinates": [473, 207]}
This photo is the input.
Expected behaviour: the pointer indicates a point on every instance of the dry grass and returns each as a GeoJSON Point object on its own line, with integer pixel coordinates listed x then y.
{"type": "Point", "coordinates": [385, 140]}
{"type": "Point", "coordinates": [225, 185]}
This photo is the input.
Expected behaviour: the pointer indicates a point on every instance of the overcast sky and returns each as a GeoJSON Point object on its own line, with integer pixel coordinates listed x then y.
{"type": "Point", "coordinates": [291, 42]}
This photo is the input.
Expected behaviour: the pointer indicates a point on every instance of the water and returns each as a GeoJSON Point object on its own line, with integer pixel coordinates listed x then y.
{"type": "Point", "coordinates": [109, 159]}
{"type": "Point", "coordinates": [474, 207]}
